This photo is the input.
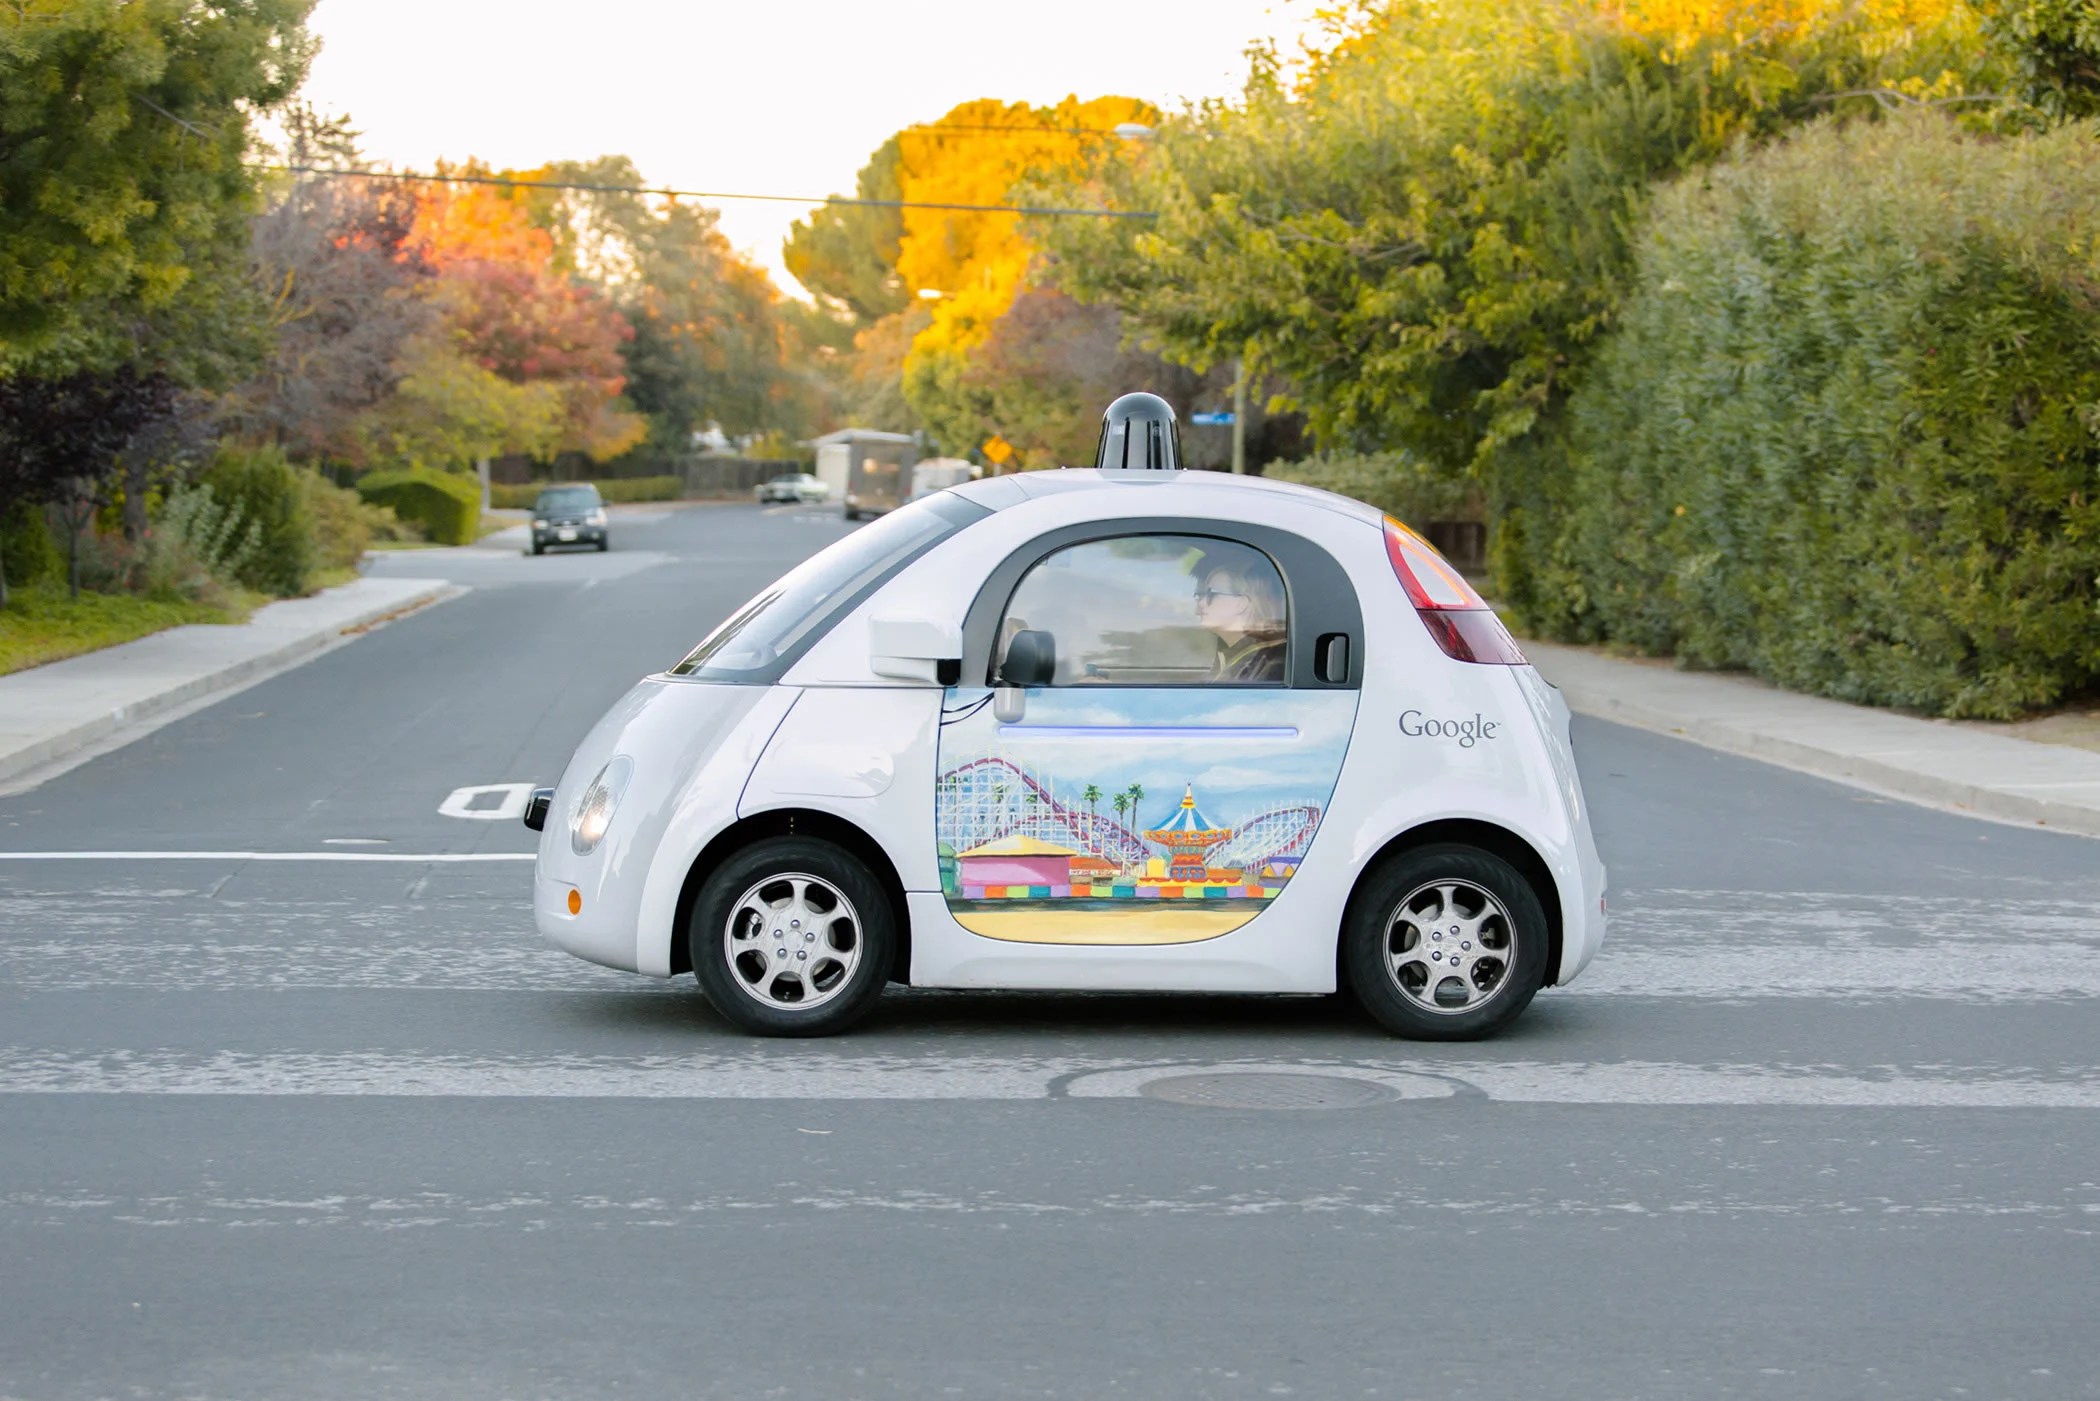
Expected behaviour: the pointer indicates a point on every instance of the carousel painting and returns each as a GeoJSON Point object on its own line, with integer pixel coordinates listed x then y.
{"type": "Point", "coordinates": [1133, 815]}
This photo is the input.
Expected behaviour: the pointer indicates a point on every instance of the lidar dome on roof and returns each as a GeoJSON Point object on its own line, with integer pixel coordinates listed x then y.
{"type": "Point", "coordinates": [1139, 431]}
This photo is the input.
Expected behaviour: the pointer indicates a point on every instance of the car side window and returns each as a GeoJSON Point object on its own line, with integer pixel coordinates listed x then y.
{"type": "Point", "coordinates": [1154, 610]}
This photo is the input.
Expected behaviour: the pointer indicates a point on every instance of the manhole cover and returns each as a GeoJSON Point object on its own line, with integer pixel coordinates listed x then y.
{"type": "Point", "coordinates": [1268, 1091]}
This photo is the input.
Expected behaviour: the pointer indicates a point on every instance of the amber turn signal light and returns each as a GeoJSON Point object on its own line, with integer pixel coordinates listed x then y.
{"type": "Point", "coordinates": [575, 902]}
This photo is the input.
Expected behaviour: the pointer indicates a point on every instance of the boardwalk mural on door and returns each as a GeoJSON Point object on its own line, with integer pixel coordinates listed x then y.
{"type": "Point", "coordinates": [1132, 815]}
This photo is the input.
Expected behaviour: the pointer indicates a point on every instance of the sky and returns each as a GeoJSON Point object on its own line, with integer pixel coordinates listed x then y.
{"type": "Point", "coordinates": [788, 97]}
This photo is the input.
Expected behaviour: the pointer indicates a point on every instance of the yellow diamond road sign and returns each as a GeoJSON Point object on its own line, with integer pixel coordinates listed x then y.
{"type": "Point", "coordinates": [998, 449]}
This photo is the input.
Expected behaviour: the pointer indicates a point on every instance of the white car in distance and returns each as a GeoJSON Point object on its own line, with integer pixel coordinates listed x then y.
{"type": "Point", "coordinates": [802, 487]}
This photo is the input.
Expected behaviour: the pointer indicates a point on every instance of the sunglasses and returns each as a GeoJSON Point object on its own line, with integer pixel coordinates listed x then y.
{"type": "Point", "coordinates": [1213, 595]}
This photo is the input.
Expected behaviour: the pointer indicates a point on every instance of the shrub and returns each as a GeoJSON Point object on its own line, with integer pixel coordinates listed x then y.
{"type": "Point", "coordinates": [196, 548]}
{"type": "Point", "coordinates": [520, 497]}
{"type": "Point", "coordinates": [345, 524]}
{"type": "Point", "coordinates": [1846, 433]}
{"type": "Point", "coordinates": [642, 489]}
{"type": "Point", "coordinates": [445, 505]}
{"type": "Point", "coordinates": [26, 551]}
{"type": "Point", "coordinates": [266, 491]}
{"type": "Point", "coordinates": [1395, 483]}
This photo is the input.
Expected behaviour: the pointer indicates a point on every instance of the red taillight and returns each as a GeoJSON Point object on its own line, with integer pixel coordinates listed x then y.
{"type": "Point", "coordinates": [1456, 616]}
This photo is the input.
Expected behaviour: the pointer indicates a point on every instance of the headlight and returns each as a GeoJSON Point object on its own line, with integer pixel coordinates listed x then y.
{"type": "Point", "coordinates": [595, 518]}
{"type": "Point", "coordinates": [593, 812]}
{"type": "Point", "coordinates": [539, 525]}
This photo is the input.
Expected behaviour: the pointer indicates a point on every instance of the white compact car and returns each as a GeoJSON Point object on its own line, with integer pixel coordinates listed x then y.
{"type": "Point", "coordinates": [802, 487]}
{"type": "Point", "coordinates": [1122, 728]}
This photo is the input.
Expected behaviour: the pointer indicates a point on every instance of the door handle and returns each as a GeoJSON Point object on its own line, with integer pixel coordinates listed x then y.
{"type": "Point", "coordinates": [1331, 658]}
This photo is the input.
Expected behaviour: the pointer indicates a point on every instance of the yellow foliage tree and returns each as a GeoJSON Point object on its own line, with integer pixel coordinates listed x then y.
{"type": "Point", "coordinates": [974, 263]}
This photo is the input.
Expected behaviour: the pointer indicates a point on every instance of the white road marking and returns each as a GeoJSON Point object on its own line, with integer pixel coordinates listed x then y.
{"type": "Point", "coordinates": [398, 1211]}
{"type": "Point", "coordinates": [770, 1074]}
{"type": "Point", "coordinates": [466, 802]}
{"type": "Point", "coordinates": [437, 856]}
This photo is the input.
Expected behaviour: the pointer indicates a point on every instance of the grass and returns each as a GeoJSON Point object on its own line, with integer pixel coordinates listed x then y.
{"type": "Point", "coordinates": [41, 624]}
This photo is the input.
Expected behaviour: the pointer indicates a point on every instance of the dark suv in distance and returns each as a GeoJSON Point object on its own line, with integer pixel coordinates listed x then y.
{"type": "Point", "coordinates": [569, 515]}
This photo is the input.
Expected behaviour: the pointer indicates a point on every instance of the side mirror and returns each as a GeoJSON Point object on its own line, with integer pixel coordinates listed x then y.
{"type": "Point", "coordinates": [1031, 660]}
{"type": "Point", "coordinates": [914, 648]}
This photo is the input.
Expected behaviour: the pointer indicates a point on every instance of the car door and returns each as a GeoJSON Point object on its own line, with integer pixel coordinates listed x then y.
{"type": "Point", "coordinates": [1148, 729]}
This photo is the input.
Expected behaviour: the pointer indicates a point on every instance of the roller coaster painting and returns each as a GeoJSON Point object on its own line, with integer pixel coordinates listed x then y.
{"type": "Point", "coordinates": [1044, 857]}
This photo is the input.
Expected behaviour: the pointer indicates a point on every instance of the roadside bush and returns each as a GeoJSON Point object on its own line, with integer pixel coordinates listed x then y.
{"type": "Point", "coordinates": [615, 489]}
{"type": "Point", "coordinates": [26, 551]}
{"type": "Point", "coordinates": [345, 524]}
{"type": "Point", "coordinates": [196, 548]}
{"type": "Point", "coordinates": [262, 487]}
{"type": "Point", "coordinates": [1395, 483]}
{"type": "Point", "coordinates": [642, 489]}
{"type": "Point", "coordinates": [446, 506]}
{"type": "Point", "coordinates": [1846, 433]}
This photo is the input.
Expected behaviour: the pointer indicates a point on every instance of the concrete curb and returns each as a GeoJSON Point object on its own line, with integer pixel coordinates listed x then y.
{"type": "Point", "coordinates": [1858, 770]}
{"type": "Point", "coordinates": [55, 748]}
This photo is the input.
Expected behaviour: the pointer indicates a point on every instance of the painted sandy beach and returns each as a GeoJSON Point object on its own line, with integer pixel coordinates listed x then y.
{"type": "Point", "coordinates": [1100, 922]}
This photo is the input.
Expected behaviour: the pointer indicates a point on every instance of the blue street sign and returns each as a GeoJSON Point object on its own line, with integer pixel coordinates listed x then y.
{"type": "Point", "coordinates": [1212, 420]}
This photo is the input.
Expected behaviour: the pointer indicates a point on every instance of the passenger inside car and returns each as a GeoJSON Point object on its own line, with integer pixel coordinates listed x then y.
{"type": "Point", "coordinates": [1242, 602]}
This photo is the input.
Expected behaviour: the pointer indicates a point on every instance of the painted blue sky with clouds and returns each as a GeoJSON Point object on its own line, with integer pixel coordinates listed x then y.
{"type": "Point", "coordinates": [1235, 778]}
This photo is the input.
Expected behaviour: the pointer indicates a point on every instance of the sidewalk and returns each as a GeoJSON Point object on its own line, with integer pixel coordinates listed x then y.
{"type": "Point", "coordinates": [1929, 761]}
{"type": "Point", "coordinates": [67, 710]}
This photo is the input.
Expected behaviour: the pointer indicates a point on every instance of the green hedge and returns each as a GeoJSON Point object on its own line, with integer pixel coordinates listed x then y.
{"type": "Point", "coordinates": [1845, 435]}
{"type": "Point", "coordinates": [265, 490]}
{"type": "Point", "coordinates": [1402, 486]}
{"type": "Point", "coordinates": [521, 497]}
{"type": "Point", "coordinates": [447, 506]}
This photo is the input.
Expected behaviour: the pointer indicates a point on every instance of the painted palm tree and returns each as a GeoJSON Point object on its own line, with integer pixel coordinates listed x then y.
{"type": "Point", "coordinates": [1137, 796]}
{"type": "Point", "coordinates": [1092, 798]}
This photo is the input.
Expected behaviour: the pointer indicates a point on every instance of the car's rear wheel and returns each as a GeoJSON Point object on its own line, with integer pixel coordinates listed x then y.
{"type": "Point", "coordinates": [792, 936]}
{"type": "Point", "coordinates": [1445, 943]}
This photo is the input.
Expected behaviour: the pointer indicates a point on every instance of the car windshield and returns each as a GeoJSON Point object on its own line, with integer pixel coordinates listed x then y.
{"type": "Point", "coordinates": [574, 498]}
{"type": "Point", "coordinates": [765, 636]}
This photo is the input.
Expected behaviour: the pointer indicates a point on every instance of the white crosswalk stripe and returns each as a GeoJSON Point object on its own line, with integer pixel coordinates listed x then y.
{"type": "Point", "coordinates": [1705, 945]}
{"type": "Point", "coordinates": [797, 1074]}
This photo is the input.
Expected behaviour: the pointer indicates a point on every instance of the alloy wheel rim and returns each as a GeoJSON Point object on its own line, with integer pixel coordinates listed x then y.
{"type": "Point", "coordinates": [1449, 947]}
{"type": "Point", "coordinates": [792, 942]}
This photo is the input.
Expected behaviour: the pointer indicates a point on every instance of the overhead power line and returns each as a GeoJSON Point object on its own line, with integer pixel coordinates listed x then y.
{"type": "Point", "coordinates": [410, 176]}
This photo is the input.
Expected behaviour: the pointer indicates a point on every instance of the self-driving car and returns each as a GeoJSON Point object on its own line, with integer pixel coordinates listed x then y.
{"type": "Point", "coordinates": [1128, 727]}
{"type": "Point", "coordinates": [569, 515]}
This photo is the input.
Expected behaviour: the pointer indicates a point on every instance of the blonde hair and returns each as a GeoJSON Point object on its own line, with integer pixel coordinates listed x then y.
{"type": "Point", "coordinates": [1258, 580]}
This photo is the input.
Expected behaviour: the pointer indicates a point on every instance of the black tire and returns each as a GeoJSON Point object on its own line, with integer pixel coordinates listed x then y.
{"type": "Point", "coordinates": [604, 545]}
{"type": "Point", "coordinates": [773, 997]}
{"type": "Point", "coordinates": [851, 514]}
{"type": "Point", "coordinates": [1502, 965]}
{"type": "Point", "coordinates": [538, 548]}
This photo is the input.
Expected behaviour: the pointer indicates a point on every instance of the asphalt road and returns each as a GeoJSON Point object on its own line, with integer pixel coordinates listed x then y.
{"type": "Point", "coordinates": [1822, 1121]}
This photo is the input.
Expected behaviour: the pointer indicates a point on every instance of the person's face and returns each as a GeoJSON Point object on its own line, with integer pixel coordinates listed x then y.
{"type": "Point", "coordinates": [1222, 604]}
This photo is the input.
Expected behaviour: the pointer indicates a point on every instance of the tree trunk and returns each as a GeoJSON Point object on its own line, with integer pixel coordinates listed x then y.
{"type": "Point", "coordinates": [3, 565]}
{"type": "Point", "coordinates": [136, 473]}
{"type": "Point", "coordinates": [73, 558]}
{"type": "Point", "coordinates": [481, 470]}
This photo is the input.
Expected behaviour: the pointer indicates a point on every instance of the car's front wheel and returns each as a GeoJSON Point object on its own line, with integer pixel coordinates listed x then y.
{"type": "Point", "coordinates": [792, 936]}
{"type": "Point", "coordinates": [1445, 943]}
